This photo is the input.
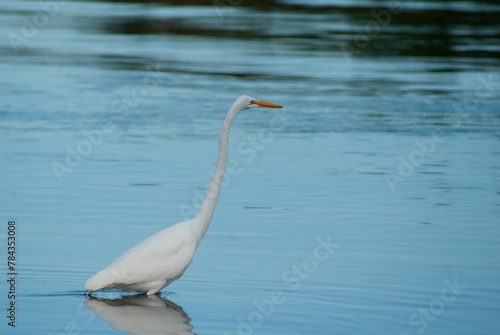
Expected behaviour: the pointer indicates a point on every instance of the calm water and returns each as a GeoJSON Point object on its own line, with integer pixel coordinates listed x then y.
{"type": "Point", "coordinates": [369, 205]}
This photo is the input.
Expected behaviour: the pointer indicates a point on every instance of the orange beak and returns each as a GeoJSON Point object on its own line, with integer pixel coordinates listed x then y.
{"type": "Point", "coordinates": [266, 104]}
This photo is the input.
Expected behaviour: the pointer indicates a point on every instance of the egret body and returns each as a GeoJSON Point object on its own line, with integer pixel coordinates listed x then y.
{"type": "Point", "coordinates": [163, 257]}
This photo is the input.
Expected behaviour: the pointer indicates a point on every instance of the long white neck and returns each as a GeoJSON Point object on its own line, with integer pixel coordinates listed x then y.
{"type": "Point", "coordinates": [201, 221]}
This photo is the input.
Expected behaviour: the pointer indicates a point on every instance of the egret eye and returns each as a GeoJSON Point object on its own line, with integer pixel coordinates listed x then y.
{"type": "Point", "coordinates": [253, 102]}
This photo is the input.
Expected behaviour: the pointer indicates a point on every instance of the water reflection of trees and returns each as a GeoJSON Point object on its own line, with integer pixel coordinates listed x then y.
{"type": "Point", "coordinates": [447, 30]}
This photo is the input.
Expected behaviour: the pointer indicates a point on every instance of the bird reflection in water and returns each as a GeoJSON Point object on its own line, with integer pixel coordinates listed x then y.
{"type": "Point", "coordinates": [142, 314]}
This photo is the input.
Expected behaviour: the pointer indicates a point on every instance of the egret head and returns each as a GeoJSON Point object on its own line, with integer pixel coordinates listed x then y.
{"type": "Point", "coordinates": [246, 102]}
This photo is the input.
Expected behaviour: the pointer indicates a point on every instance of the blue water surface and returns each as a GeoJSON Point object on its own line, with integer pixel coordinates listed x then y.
{"type": "Point", "coordinates": [369, 205]}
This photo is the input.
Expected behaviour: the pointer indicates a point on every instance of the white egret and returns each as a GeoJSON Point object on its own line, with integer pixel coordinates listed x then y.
{"type": "Point", "coordinates": [163, 257]}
